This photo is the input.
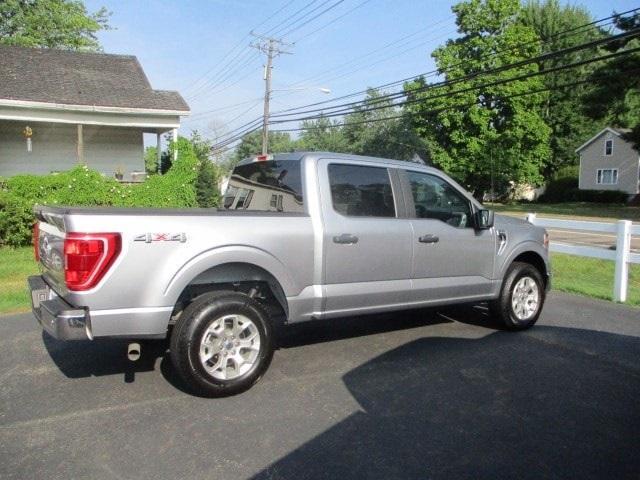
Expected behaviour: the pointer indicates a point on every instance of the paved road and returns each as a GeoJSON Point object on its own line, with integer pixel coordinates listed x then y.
{"type": "Point", "coordinates": [412, 395]}
{"type": "Point", "coordinates": [579, 237]}
{"type": "Point", "coordinates": [590, 239]}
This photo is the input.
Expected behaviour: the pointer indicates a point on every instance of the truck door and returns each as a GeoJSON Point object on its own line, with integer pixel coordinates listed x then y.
{"type": "Point", "coordinates": [367, 253]}
{"type": "Point", "coordinates": [451, 259]}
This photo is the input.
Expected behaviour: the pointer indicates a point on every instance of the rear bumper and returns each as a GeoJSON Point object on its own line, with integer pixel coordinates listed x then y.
{"type": "Point", "coordinates": [59, 319]}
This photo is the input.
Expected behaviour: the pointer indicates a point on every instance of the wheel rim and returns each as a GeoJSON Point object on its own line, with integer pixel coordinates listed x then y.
{"type": "Point", "coordinates": [525, 298]}
{"type": "Point", "coordinates": [229, 347]}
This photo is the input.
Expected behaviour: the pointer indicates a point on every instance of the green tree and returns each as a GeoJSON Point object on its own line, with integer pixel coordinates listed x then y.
{"type": "Point", "coordinates": [151, 160]}
{"type": "Point", "coordinates": [562, 108]}
{"type": "Point", "coordinates": [62, 24]}
{"type": "Point", "coordinates": [379, 128]}
{"type": "Point", "coordinates": [207, 192]}
{"type": "Point", "coordinates": [251, 145]}
{"type": "Point", "coordinates": [616, 96]}
{"type": "Point", "coordinates": [323, 134]}
{"type": "Point", "coordinates": [473, 130]}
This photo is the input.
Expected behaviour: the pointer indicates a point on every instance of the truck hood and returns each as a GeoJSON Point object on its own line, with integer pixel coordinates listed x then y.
{"type": "Point", "coordinates": [509, 221]}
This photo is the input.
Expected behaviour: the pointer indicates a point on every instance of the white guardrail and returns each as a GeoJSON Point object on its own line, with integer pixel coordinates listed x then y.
{"type": "Point", "coordinates": [622, 254]}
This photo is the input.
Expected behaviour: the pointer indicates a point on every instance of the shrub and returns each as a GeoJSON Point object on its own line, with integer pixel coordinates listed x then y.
{"type": "Point", "coordinates": [567, 171]}
{"type": "Point", "coordinates": [82, 186]}
{"type": "Point", "coordinates": [560, 190]}
{"type": "Point", "coordinates": [16, 220]}
{"type": "Point", "coordinates": [601, 196]}
{"type": "Point", "coordinates": [207, 193]}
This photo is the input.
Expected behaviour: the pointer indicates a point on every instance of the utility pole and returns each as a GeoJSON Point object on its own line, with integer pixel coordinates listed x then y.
{"type": "Point", "coordinates": [272, 48]}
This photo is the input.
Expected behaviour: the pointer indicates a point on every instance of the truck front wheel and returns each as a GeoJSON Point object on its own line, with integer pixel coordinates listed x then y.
{"type": "Point", "coordinates": [521, 297]}
{"type": "Point", "coordinates": [222, 343]}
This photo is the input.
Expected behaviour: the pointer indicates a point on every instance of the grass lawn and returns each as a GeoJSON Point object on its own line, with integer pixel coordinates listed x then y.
{"type": "Point", "coordinates": [592, 277]}
{"type": "Point", "coordinates": [15, 266]}
{"type": "Point", "coordinates": [584, 276]}
{"type": "Point", "coordinates": [594, 211]}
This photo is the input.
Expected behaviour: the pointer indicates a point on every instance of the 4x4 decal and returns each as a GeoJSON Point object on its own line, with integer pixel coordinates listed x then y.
{"type": "Point", "coordinates": [161, 237]}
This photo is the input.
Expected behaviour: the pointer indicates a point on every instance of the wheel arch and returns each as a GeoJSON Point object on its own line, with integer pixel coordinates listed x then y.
{"type": "Point", "coordinates": [230, 267]}
{"type": "Point", "coordinates": [531, 253]}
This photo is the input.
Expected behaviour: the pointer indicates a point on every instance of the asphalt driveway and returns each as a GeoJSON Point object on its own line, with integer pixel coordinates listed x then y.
{"type": "Point", "coordinates": [424, 394]}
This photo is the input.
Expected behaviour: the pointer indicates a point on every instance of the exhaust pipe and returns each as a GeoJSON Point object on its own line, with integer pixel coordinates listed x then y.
{"type": "Point", "coordinates": [134, 351]}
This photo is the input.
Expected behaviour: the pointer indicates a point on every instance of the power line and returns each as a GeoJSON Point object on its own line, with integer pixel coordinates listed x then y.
{"type": "Point", "coordinates": [235, 106]}
{"type": "Point", "coordinates": [219, 80]}
{"type": "Point", "coordinates": [368, 54]}
{"type": "Point", "coordinates": [472, 88]}
{"type": "Point", "coordinates": [330, 7]}
{"type": "Point", "coordinates": [437, 71]}
{"type": "Point", "coordinates": [240, 42]}
{"type": "Point", "coordinates": [278, 26]}
{"type": "Point", "coordinates": [445, 83]}
{"type": "Point", "coordinates": [331, 22]}
{"type": "Point", "coordinates": [251, 126]}
{"type": "Point", "coordinates": [442, 109]}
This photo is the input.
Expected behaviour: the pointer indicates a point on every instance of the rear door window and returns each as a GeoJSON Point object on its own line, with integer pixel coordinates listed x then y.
{"type": "Point", "coordinates": [274, 185]}
{"type": "Point", "coordinates": [361, 191]}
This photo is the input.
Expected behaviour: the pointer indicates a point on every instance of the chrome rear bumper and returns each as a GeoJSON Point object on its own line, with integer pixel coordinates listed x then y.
{"type": "Point", "coordinates": [59, 319]}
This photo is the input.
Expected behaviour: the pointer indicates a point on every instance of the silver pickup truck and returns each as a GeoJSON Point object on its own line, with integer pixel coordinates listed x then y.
{"type": "Point", "coordinates": [301, 236]}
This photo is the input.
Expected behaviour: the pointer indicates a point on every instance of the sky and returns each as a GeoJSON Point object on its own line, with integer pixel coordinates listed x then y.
{"type": "Point", "coordinates": [201, 48]}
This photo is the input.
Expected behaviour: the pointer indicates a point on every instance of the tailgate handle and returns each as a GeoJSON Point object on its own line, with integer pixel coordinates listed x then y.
{"type": "Point", "coordinates": [428, 239]}
{"type": "Point", "coordinates": [346, 239]}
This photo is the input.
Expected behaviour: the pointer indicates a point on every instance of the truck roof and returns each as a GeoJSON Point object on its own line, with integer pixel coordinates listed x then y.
{"type": "Point", "coordinates": [338, 156]}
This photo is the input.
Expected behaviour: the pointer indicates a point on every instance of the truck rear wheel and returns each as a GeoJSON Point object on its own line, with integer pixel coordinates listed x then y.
{"type": "Point", "coordinates": [222, 343]}
{"type": "Point", "coordinates": [521, 297]}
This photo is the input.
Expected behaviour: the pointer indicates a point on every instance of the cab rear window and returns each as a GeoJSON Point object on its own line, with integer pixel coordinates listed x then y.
{"type": "Point", "coordinates": [272, 186]}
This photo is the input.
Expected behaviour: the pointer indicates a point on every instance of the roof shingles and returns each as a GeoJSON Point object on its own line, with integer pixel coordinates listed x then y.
{"type": "Point", "coordinates": [80, 78]}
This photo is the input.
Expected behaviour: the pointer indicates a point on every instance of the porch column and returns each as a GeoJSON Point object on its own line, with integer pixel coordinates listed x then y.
{"type": "Point", "coordinates": [80, 145]}
{"type": "Point", "coordinates": [159, 151]}
{"type": "Point", "coordinates": [174, 135]}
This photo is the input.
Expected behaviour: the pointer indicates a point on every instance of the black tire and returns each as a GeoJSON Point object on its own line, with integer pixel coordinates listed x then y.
{"type": "Point", "coordinates": [190, 329]}
{"type": "Point", "coordinates": [502, 309]}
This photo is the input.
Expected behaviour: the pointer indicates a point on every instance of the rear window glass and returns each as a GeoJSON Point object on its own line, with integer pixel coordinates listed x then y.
{"type": "Point", "coordinates": [359, 191]}
{"type": "Point", "coordinates": [272, 186]}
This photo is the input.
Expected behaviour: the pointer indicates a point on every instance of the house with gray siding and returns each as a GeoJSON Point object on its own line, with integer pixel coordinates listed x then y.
{"type": "Point", "coordinates": [60, 108]}
{"type": "Point", "coordinates": [609, 162]}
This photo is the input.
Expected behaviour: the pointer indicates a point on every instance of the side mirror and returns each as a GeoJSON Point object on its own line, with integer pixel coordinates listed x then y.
{"type": "Point", "coordinates": [483, 219]}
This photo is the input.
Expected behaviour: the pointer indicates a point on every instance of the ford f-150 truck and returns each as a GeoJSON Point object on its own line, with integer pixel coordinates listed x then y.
{"type": "Point", "coordinates": [299, 236]}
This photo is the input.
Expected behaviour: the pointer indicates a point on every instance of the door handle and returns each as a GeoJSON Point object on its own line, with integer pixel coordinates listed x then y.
{"type": "Point", "coordinates": [345, 238]}
{"type": "Point", "coordinates": [428, 239]}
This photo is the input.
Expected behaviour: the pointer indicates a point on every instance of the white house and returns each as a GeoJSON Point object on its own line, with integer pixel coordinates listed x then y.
{"type": "Point", "coordinates": [60, 108]}
{"type": "Point", "coordinates": [609, 162]}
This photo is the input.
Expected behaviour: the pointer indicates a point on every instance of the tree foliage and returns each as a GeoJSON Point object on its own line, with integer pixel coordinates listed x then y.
{"type": "Point", "coordinates": [251, 145]}
{"type": "Point", "coordinates": [562, 107]}
{"type": "Point", "coordinates": [476, 131]}
{"type": "Point", "coordinates": [151, 160]}
{"type": "Point", "coordinates": [378, 128]}
{"type": "Point", "coordinates": [207, 192]}
{"type": "Point", "coordinates": [64, 24]}
{"type": "Point", "coordinates": [616, 96]}
{"type": "Point", "coordinates": [323, 134]}
{"type": "Point", "coordinates": [382, 132]}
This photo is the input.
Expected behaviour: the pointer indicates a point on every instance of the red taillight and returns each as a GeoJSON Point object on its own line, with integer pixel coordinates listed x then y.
{"type": "Point", "coordinates": [36, 240]}
{"type": "Point", "coordinates": [87, 257]}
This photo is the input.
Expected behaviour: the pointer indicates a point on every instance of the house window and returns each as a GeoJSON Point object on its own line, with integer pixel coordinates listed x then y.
{"type": "Point", "coordinates": [607, 176]}
{"type": "Point", "coordinates": [608, 147]}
